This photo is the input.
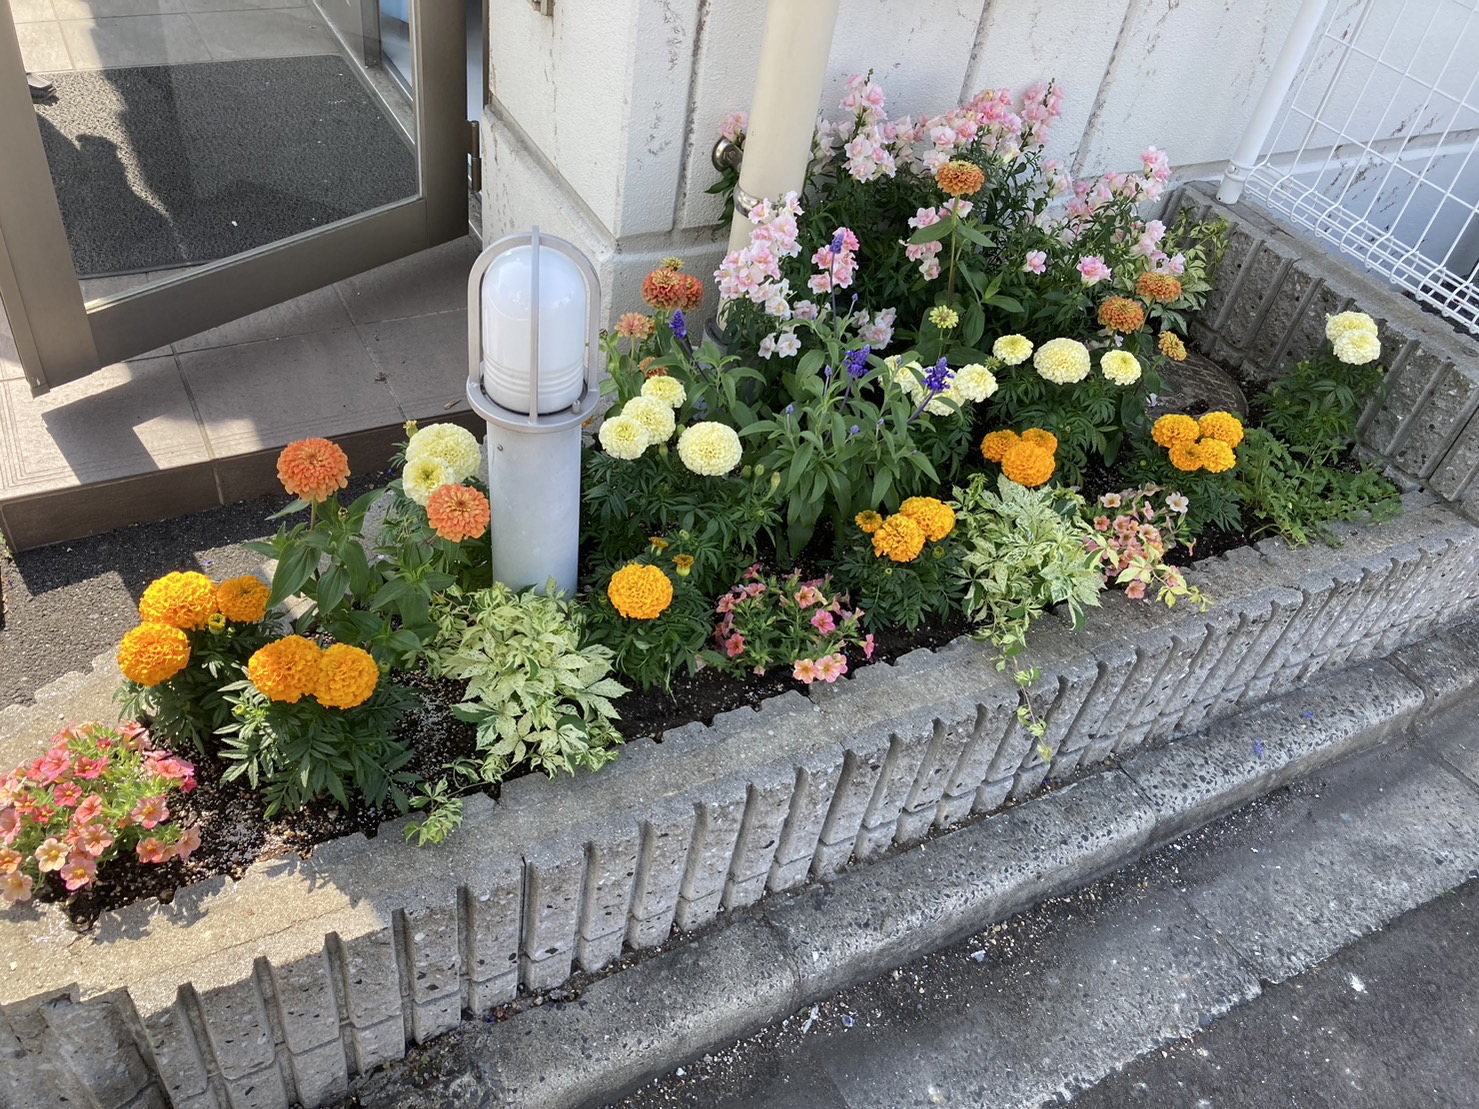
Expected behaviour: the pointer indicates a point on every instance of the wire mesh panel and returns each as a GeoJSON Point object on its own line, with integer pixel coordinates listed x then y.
{"type": "Point", "coordinates": [1373, 151]}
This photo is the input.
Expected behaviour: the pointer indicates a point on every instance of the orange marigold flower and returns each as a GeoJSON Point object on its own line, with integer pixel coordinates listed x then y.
{"type": "Point", "coordinates": [683, 563]}
{"type": "Point", "coordinates": [1186, 456]}
{"type": "Point", "coordinates": [1122, 314]}
{"type": "Point", "coordinates": [649, 370]}
{"type": "Point", "coordinates": [181, 600]}
{"type": "Point", "coordinates": [1171, 346]}
{"type": "Point", "coordinates": [898, 538]}
{"type": "Point", "coordinates": [960, 178]}
{"type": "Point", "coordinates": [640, 592]}
{"type": "Point", "coordinates": [286, 669]}
{"type": "Point", "coordinates": [347, 676]}
{"type": "Point", "coordinates": [996, 443]}
{"type": "Point", "coordinates": [1159, 287]}
{"type": "Point", "coordinates": [934, 517]}
{"type": "Point", "coordinates": [634, 325]}
{"type": "Point", "coordinates": [314, 469]}
{"type": "Point", "coordinates": [1028, 464]}
{"type": "Point", "coordinates": [1222, 426]}
{"type": "Point", "coordinates": [1175, 428]}
{"type": "Point", "coordinates": [1217, 457]}
{"type": "Point", "coordinates": [152, 653]}
{"type": "Point", "coordinates": [1040, 438]}
{"type": "Point", "coordinates": [458, 512]}
{"type": "Point", "coordinates": [243, 599]}
{"type": "Point", "coordinates": [868, 521]}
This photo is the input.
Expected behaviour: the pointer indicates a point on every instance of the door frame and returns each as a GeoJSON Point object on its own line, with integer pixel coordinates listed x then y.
{"type": "Point", "coordinates": [60, 338]}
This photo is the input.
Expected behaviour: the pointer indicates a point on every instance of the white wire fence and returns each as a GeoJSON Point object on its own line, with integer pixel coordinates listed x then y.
{"type": "Point", "coordinates": [1373, 150]}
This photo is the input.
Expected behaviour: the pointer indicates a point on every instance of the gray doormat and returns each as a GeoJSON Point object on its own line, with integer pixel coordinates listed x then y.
{"type": "Point", "coordinates": [162, 166]}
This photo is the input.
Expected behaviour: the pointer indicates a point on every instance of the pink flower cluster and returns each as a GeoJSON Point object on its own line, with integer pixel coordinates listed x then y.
{"type": "Point", "coordinates": [789, 621]}
{"type": "Point", "coordinates": [1133, 547]}
{"type": "Point", "coordinates": [754, 271]}
{"type": "Point", "coordinates": [93, 793]}
{"type": "Point", "coordinates": [836, 262]}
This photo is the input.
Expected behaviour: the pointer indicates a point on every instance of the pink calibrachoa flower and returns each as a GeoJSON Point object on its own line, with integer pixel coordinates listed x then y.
{"type": "Point", "coordinates": [90, 769]}
{"type": "Point", "coordinates": [1135, 590]}
{"type": "Point", "coordinates": [50, 855]}
{"type": "Point", "coordinates": [94, 839]}
{"type": "Point", "coordinates": [150, 811]}
{"type": "Point", "coordinates": [67, 794]}
{"type": "Point", "coordinates": [10, 860]}
{"type": "Point", "coordinates": [15, 887]}
{"type": "Point", "coordinates": [153, 850]}
{"type": "Point", "coordinates": [809, 595]}
{"type": "Point", "coordinates": [1177, 503]}
{"type": "Point", "coordinates": [824, 622]}
{"type": "Point", "coordinates": [79, 871]}
{"type": "Point", "coordinates": [1037, 261]}
{"type": "Point", "coordinates": [51, 766]}
{"type": "Point", "coordinates": [1092, 270]}
{"type": "Point", "coordinates": [734, 646]}
{"type": "Point", "coordinates": [10, 824]}
{"type": "Point", "coordinates": [188, 843]}
{"type": "Point", "coordinates": [806, 670]}
{"type": "Point", "coordinates": [88, 810]}
{"type": "Point", "coordinates": [868, 646]}
{"type": "Point", "coordinates": [832, 667]}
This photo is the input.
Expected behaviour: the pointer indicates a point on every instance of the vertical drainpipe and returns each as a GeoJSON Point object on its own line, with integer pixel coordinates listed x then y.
{"type": "Point", "coordinates": [1280, 80]}
{"type": "Point", "coordinates": [783, 111]}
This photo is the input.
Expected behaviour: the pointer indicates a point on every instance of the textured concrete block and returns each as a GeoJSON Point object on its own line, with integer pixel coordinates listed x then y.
{"type": "Point", "coordinates": [493, 906]}
{"type": "Point", "coordinates": [861, 769]}
{"type": "Point", "coordinates": [262, 1089]}
{"type": "Point", "coordinates": [1283, 315]}
{"type": "Point", "coordinates": [375, 1044]}
{"type": "Point", "coordinates": [1409, 383]}
{"type": "Point", "coordinates": [992, 796]}
{"type": "Point", "coordinates": [954, 728]}
{"type": "Point", "coordinates": [92, 1041]}
{"type": "Point", "coordinates": [372, 997]}
{"type": "Point", "coordinates": [721, 812]}
{"type": "Point", "coordinates": [1257, 291]}
{"type": "Point", "coordinates": [593, 954]}
{"type": "Point", "coordinates": [908, 747]}
{"type": "Point", "coordinates": [610, 875]}
{"type": "Point", "coordinates": [816, 784]}
{"type": "Point", "coordinates": [767, 807]}
{"type": "Point", "coordinates": [307, 1009]}
{"type": "Point", "coordinates": [1241, 243]}
{"type": "Point", "coordinates": [554, 881]}
{"type": "Point", "coordinates": [320, 1075]}
{"type": "Point", "coordinates": [177, 1058]}
{"type": "Point", "coordinates": [431, 957]}
{"type": "Point", "coordinates": [236, 1026]}
{"type": "Point", "coordinates": [667, 834]}
{"type": "Point", "coordinates": [1434, 425]}
{"type": "Point", "coordinates": [994, 719]}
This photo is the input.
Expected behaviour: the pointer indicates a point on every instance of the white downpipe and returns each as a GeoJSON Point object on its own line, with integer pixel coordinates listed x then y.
{"type": "Point", "coordinates": [1280, 80]}
{"type": "Point", "coordinates": [783, 111]}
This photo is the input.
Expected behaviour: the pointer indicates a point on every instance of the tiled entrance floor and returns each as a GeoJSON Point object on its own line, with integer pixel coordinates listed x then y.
{"type": "Point", "coordinates": [200, 423]}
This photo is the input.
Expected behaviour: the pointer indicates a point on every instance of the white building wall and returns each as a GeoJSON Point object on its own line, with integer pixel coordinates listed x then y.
{"type": "Point", "coordinates": [604, 115]}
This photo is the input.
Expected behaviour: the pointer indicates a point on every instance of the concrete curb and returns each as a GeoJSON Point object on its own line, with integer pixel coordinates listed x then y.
{"type": "Point", "coordinates": [804, 946]}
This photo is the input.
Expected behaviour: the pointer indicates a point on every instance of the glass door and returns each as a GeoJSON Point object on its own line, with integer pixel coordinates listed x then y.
{"type": "Point", "coordinates": [167, 172]}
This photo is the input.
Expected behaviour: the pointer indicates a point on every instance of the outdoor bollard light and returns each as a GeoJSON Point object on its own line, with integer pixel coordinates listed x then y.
{"type": "Point", "coordinates": [533, 308]}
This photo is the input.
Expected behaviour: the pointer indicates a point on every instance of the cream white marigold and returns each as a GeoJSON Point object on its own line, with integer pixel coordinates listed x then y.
{"type": "Point", "coordinates": [709, 448]}
{"type": "Point", "coordinates": [1343, 323]}
{"type": "Point", "coordinates": [1356, 348]}
{"type": "Point", "coordinates": [974, 382]}
{"type": "Point", "coordinates": [1120, 367]}
{"type": "Point", "coordinates": [1062, 361]}
{"type": "Point", "coordinates": [655, 415]}
{"type": "Point", "coordinates": [454, 446]}
{"type": "Point", "coordinates": [424, 476]}
{"type": "Point", "coordinates": [669, 390]}
{"type": "Point", "coordinates": [1013, 350]}
{"type": "Point", "coordinates": [624, 437]}
{"type": "Point", "coordinates": [908, 376]}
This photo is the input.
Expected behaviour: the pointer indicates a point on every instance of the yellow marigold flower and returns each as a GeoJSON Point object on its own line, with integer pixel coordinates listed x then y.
{"type": "Point", "coordinates": [1040, 438]}
{"type": "Point", "coordinates": [683, 563]}
{"type": "Point", "coordinates": [1162, 288]}
{"type": "Point", "coordinates": [458, 512]}
{"type": "Point", "coordinates": [243, 599]}
{"type": "Point", "coordinates": [217, 622]}
{"type": "Point", "coordinates": [899, 537]}
{"type": "Point", "coordinates": [709, 448]}
{"type": "Point", "coordinates": [450, 444]}
{"type": "Point", "coordinates": [347, 676]}
{"type": "Point", "coordinates": [1120, 367]}
{"type": "Point", "coordinates": [1013, 350]}
{"type": "Point", "coordinates": [1028, 464]}
{"type": "Point", "coordinates": [1222, 426]}
{"type": "Point", "coordinates": [181, 600]}
{"type": "Point", "coordinates": [1343, 323]}
{"type": "Point", "coordinates": [934, 517]}
{"type": "Point", "coordinates": [1217, 457]}
{"type": "Point", "coordinates": [424, 476]}
{"type": "Point", "coordinates": [1356, 348]}
{"type": "Point", "coordinates": [624, 437]}
{"type": "Point", "coordinates": [653, 414]}
{"type": "Point", "coordinates": [996, 443]}
{"type": "Point", "coordinates": [1186, 456]}
{"type": "Point", "coordinates": [286, 669]}
{"type": "Point", "coordinates": [152, 653]}
{"type": "Point", "coordinates": [1171, 346]}
{"type": "Point", "coordinates": [658, 543]}
{"type": "Point", "coordinates": [868, 521]}
{"type": "Point", "coordinates": [634, 325]}
{"type": "Point", "coordinates": [667, 389]}
{"type": "Point", "coordinates": [1062, 361]}
{"type": "Point", "coordinates": [1175, 428]}
{"type": "Point", "coordinates": [1122, 314]}
{"type": "Point", "coordinates": [943, 317]}
{"type": "Point", "coordinates": [974, 383]}
{"type": "Point", "coordinates": [640, 592]}
{"type": "Point", "coordinates": [960, 178]}
{"type": "Point", "coordinates": [314, 469]}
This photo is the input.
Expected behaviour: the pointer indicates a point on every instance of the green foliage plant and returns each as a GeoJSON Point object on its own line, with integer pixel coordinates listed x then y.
{"type": "Point", "coordinates": [650, 652]}
{"type": "Point", "coordinates": [926, 589]}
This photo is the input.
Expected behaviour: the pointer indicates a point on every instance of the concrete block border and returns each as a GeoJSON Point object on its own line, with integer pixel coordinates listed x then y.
{"type": "Point", "coordinates": [277, 989]}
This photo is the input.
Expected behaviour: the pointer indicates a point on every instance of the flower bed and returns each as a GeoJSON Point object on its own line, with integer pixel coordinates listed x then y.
{"type": "Point", "coordinates": [369, 944]}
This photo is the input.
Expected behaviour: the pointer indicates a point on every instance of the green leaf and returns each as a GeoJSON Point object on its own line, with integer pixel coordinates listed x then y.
{"type": "Point", "coordinates": [931, 234]}
{"type": "Point", "coordinates": [293, 572]}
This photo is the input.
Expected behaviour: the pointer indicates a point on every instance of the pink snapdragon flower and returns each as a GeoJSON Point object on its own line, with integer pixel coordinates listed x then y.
{"type": "Point", "coordinates": [1092, 270]}
{"type": "Point", "coordinates": [1037, 261]}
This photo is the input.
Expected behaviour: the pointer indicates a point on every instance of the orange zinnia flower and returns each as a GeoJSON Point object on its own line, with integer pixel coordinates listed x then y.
{"type": "Point", "coordinates": [666, 289]}
{"type": "Point", "coordinates": [458, 512]}
{"type": "Point", "coordinates": [314, 469]}
{"type": "Point", "coordinates": [960, 178]}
